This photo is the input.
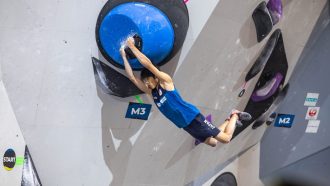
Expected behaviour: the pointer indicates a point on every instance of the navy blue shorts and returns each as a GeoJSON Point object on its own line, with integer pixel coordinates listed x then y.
{"type": "Point", "coordinates": [201, 129]}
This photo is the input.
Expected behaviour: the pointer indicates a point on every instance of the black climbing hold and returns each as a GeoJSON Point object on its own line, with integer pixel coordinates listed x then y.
{"type": "Point", "coordinates": [241, 93]}
{"type": "Point", "coordinates": [138, 45]}
{"type": "Point", "coordinates": [274, 61]}
{"type": "Point", "coordinates": [271, 118]}
{"type": "Point", "coordinates": [266, 52]}
{"type": "Point", "coordinates": [29, 173]}
{"type": "Point", "coordinates": [113, 82]}
{"type": "Point", "coordinates": [257, 124]}
{"type": "Point", "coordinates": [225, 179]}
{"type": "Point", "coordinates": [262, 20]}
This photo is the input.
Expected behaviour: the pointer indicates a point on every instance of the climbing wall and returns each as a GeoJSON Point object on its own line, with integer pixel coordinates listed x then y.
{"type": "Point", "coordinates": [79, 135]}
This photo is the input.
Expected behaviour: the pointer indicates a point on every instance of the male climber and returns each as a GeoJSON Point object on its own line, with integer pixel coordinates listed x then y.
{"type": "Point", "coordinates": [184, 115]}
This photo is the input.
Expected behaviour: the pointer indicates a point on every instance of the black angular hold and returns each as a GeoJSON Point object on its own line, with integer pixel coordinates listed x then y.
{"type": "Point", "coordinates": [30, 175]}
{"type": "Point", "coordinates": [113, 82]}
{"type": "Point", "coordinates": [272, 60]}
{"type": "Point", "coordinates": [262, 20]}
{"type": "Point", "coordinates": [261, 61]}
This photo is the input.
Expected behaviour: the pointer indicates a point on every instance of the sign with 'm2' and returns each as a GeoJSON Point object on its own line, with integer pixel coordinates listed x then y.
{"type": "Point", "coordinates": [284, 120]}
{"type": "Point", "coordinates": [138, 111]}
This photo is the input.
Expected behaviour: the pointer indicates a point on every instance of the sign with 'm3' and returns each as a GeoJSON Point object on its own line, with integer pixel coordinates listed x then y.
{"type": "Point", "coordinates": [138, 111]}
{"type": "Point", "coordinates": [284, 120]}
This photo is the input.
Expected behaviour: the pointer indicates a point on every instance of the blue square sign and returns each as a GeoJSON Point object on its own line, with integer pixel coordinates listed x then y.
{"type": "Point", "coordinates": [284, 120]}
{"type": "Point", "coordinates": [138, 111]}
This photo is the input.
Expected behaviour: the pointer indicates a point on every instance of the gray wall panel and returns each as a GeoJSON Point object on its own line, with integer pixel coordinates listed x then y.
{"type": "Point", "coordinates": [281, 147]}
{"type": "Point", "coordinates": [312, 170]}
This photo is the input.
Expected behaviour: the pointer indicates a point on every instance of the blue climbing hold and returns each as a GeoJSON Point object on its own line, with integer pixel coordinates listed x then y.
{"type": "Point", "coordinates": [141, 19]}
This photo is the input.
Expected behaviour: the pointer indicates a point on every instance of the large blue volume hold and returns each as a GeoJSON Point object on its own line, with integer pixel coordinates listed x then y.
{"type": "Point", "coordinates": [148, 22]}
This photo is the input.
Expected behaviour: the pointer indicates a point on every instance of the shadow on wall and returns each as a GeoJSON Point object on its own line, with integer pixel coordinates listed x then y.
{"type": "Point", "coordinates": [247, 34]}
{"type": "Point", "coordinates": [116, 142]}
{"type": "Point", "coordinates": [113, 90]}
{"type": "Point", "coordinates": [117, 156]}
{"type": "Point", "coordinates": [186, 148]}
{"type": "Point", "coordinates": [241, 79]}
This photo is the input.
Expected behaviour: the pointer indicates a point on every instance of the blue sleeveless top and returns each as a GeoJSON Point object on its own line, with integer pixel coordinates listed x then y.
{"type": "Point", "coordinates": [170, 103]}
